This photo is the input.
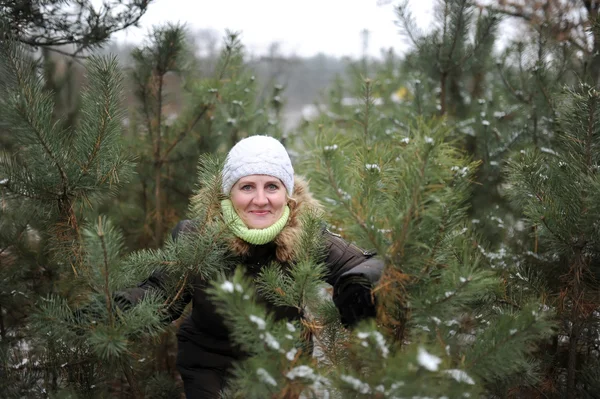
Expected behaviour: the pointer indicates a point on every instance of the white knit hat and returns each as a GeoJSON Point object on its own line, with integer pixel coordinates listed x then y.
{"type": "Point", "coordinates": [258, 155]}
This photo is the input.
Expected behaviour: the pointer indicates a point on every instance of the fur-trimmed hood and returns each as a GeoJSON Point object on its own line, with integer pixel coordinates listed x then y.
{"type": "Point", "coordinates": [287, 241]}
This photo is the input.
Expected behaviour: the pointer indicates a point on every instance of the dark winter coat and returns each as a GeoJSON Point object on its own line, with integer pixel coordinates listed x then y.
{"type": "Point", "coordinates": [205, 352]}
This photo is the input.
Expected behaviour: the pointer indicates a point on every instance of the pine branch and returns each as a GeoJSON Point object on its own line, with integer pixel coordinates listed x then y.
{"type": "Point", "coordinates": [347, 206]}
{"type": "Point", "coordinates": [399, 244]}
{"type": "Point", "coordinates": [577, 271]}
{"type": "Point", "coordinates": [408, 23]}
{"type": "Point", "coordinates": [229, 48]}
{"type": "Point", "coordinates": [136, 393]}
{"type": "Point", "coordinates": [529, 18]}
{"type": "Point", "coordinates": [39, 135]}
{"type": "Point", "coordinates": [45, 24]}
{"type": "Point", "coordinates": [463, 6]}
{"type": "Point", "coordinates": [365, 122]}
{"type": "Point", "coordinates": [590, 131]}
{"type": "Point", "coordinates": [179, 292]}
{"type": "Point", "coordinates": [77, 58]}
{"type": "Point", "coordinates": [105, 76]}
{"type": "Point", "coordinates": [512, 91]}
{"type": "Point", "coordinates": [184, 132]}
{"type": "Point", "coordinates": [108, 297]}
{"type": "Point", "coordinates": [543, 220]}
{"type": "Point", "coordinates": [542, 88]}
{"type": "Point", "coordinates": [158, 227]}
{"type": "Point", "coordinates": [479, 41]}
{"type": "Point", "coordinates": [27, 194]}
{"type": "Point", "coordinates": [144, 97]}
{"type": "Point", "coordinates": [438, 241]}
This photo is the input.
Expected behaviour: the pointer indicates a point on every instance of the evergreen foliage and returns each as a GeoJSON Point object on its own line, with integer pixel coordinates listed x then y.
{"type": "Point", "coordinates": [58, 22]}
{"type": "Point", "coordinates": [558, 194]}
{"type": "Point", "coordinates": [470, 170]}
{"type": "Point", "coordinates": [54, 176]}
{"type": "Point", "coordinates": [446, 326]}
{"type": "Point", "coordinates": [502, 104]}
{"type": "Point", "coordinates": [58, 170]}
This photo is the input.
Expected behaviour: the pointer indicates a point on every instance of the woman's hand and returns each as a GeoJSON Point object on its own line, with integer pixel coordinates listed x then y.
{"type": "Point", "coordinates": [355, 302]}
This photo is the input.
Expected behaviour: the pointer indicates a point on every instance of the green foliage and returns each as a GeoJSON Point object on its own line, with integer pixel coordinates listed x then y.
{"type": "Point", "coordinates": [369, 365]}
{"type": "Point", "coordinates": [162, 386]}
{"type": "Point", "coordinates": [300, 286]}
{"type": "Point", "coordinates": [558, 190]}
{"type": "Point", "coordinates": [558, 193]}
{"type": "Point", "coordinates": [53, 260]}
{"type": "Point", "coordinates": [53, 164]}
{"type": "Point", "coordinates": [517, 105]}
{"type": "Point", "coordinates": [490, 285]}
{"type": "Point", "coordinates": [445, 319]}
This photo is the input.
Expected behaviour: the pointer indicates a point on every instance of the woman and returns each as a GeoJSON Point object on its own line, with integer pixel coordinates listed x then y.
{"type": "Point", "coordinates": [258, 183]}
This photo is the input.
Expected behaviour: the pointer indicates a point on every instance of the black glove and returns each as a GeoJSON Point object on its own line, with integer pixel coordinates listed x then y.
{"type": "Point", "coordinates": [354, 302]}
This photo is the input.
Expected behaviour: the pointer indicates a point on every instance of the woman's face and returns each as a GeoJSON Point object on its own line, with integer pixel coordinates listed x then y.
{"type": "Point", "coordinates": [259, 200]}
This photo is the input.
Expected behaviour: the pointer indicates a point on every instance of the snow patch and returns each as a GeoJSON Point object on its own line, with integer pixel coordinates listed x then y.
{"type": "Point", "coordinates": [301, 372]}
{"type": "Point", "coordinates": [227, 286]}
{"type": "Point", "coordinates": [460, 376]}
{"type": "Point", "coordinates": [427, 360]}
{"type": "Point", "coordinates": [291, 354]}
{"type": "Point", "coordinates": [271, 341]}
{"type": "Point", "coordinates": [260, 323]}
{"type": "Point", "coordinates": [265, 377]}
{"type": "Point", "coordinates": [356, 384]}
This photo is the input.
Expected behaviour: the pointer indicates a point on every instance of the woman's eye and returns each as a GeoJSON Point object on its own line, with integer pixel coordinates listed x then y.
{"type": "Point", "coordinates": [272, 187]}
{"type": "Point", "coordinates": [246, 187]}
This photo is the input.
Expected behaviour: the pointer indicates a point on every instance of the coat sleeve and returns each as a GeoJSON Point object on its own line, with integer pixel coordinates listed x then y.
{"type": "Point", "coordinates": [156, 282]}
{"type": "Point", "coordinates": [347, 262]}
{"type": "Point", "coordinates": [352, 273]}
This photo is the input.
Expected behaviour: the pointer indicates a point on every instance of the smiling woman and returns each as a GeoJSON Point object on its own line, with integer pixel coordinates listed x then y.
{"type": "Point", "coordinates": [267, 223]}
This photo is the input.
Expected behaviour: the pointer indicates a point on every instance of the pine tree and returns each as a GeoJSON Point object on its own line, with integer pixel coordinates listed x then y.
{"type": "Point", "coordinates": [558, 192]}
{"type": "Point", "coordinates": [51, 181]}
{"type": "Point", "coordinates": [497, 100]}
{"type": "Point", "coordinates": [82, 24]}
{"type": "Point", "coordinates": [476, 299]}
{"type": "Point", "coordinates": [572, 24]}
{"type": "Point", "coordinates": [445, 324]}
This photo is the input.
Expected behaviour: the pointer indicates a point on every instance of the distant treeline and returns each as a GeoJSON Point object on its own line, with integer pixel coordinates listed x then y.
{"type": "Point", "coordinates": [303, 78]}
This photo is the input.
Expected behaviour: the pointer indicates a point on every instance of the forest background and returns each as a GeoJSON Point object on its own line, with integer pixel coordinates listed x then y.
{"type": "Point", "coordinates": [470, 168]}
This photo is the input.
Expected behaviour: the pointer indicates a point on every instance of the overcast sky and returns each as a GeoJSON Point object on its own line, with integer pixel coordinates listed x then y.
{"type": "Point", "coordinates": [302, 28]}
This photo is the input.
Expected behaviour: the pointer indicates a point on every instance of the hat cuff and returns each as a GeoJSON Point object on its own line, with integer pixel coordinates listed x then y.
{"type": "Point", "coordinates": [258, 168]}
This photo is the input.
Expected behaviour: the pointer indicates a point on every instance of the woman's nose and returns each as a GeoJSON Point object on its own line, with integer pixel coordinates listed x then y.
{"type": "Point", "coordinates": [260, 198]}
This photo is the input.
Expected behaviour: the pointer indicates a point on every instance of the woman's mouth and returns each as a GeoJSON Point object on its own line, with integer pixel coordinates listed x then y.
{"type": "Point", "coordinates": [259, 213]}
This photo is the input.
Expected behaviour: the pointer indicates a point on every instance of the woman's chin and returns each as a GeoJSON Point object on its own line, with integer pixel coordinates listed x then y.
{"type": "Point", "coordinates": [258, 224]}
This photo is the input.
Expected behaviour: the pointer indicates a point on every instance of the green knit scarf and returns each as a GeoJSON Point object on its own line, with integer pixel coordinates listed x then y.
{"type": "Point", "coordinates": [252, 236]}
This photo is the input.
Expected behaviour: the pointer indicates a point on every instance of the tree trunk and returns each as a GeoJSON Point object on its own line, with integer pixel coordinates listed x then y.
{"type": "Point", "coordinates": [443, 79]}
{"type": "Point", "coordinates": [594, 71]}
{"type": "Point", "coordinates": [572, 362]}
{"type": "Point", "coordinates": [2, 328]}
{"type": "Point", "coordinates": [136, 393]}
{"type": "Point", "coordinates": [575, 317]}
{"type": "Point", "coordinates": [158, 227]}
